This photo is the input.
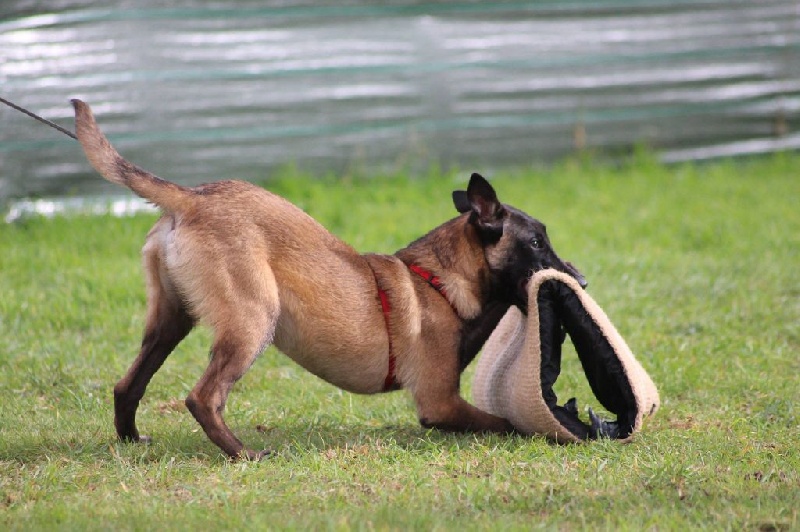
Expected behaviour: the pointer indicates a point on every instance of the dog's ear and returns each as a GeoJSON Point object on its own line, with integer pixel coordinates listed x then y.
{"type": "Point", "coordinates": [480, 199]}
{"type": "Point", "coordinates": [461, 202]}
{"type": "Point", "coordinates": [489, 213]}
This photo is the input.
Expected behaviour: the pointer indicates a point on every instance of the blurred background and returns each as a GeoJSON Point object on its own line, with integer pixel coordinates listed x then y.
{"type": "Point", "coordinates": [202, 90]}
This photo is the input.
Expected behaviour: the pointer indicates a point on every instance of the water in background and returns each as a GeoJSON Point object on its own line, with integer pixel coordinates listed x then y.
{"type": "Point", "coordinates": [200, 90]}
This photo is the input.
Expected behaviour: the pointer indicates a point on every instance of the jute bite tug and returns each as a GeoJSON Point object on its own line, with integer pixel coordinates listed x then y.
{"type": "Point", "coordinates": [521, 362]}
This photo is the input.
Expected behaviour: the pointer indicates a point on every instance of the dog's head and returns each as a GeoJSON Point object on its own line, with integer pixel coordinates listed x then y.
{"type": "Point", "coordinates": [515, 244]}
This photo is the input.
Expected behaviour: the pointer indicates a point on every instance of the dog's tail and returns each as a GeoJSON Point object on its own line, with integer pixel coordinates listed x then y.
{"type": "Point", "coordinates": [110, 164]}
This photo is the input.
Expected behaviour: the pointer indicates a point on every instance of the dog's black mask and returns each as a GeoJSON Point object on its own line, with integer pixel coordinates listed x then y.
{"type": "Point", "coordinates": [516, 244]}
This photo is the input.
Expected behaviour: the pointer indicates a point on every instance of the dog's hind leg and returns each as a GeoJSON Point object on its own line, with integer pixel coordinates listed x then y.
{"type": "Point", "coordinates": [160, 338]}
{"type": "Point", "coordinates": [167, 324]}
{"type": "Point", "coordinates": [231, 356]}
{"type": "Point", "coordinates": [240, 336]}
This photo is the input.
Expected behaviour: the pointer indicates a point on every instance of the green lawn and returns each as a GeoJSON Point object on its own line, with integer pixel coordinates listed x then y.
{"type": "Point", "coordinates": [697, 265]}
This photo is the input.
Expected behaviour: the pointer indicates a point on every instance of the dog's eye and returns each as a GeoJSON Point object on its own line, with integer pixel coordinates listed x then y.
{"type": "Point", "coordinates": [536, 243]}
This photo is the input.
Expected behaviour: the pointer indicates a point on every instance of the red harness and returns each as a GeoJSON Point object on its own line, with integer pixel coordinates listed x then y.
{"type": "Point", "coordinates": [390, 383]}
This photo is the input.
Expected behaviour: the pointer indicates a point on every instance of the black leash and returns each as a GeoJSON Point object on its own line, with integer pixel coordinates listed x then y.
{"type": "Point", "coordinates": [39, 118]}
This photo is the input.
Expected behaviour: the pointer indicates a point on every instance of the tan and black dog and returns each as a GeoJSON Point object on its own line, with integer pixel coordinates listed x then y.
{"type": "Point", "coordinates": [258, 270]}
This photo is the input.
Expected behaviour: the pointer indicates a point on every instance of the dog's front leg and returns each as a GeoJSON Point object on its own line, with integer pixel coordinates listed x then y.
{"type": "Point", "coordinates": [457, 415]}
{"type": "Point", "coordinates": [440, 406]}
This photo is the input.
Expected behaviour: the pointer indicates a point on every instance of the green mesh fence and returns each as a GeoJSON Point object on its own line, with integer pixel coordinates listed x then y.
{"type": "Point", "coordinates": [198, 92]}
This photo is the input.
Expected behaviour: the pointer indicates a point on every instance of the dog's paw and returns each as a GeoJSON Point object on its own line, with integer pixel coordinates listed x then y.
{"type": "Point", "coordinates": [136, 438]}
{"type": "Point", "coordinates": [255, 456]}
{"type": "Point", "coordinates": [571, 406]}
{"type": "Point", "coordinates": [602, 428]}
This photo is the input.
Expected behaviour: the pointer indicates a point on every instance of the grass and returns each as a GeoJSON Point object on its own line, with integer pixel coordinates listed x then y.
{"type": "Point", "coordinates": [696, 264]}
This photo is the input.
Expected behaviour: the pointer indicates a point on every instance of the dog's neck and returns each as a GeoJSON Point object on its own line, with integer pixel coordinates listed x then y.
{"type": "Point", "coordinates": [451, 252]}
{"type": "Point", "coordinates": [448, 255]}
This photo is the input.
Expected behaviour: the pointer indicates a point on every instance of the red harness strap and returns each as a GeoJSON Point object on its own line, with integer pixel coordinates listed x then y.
{"type": "Point", "coordinates": [391, 381]}
{"type": "Point", "coordinates": [430, 278]}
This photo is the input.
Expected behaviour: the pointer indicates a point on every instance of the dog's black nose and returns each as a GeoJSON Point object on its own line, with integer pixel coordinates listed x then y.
{"type": "Point", "coordinates": [573, 271]}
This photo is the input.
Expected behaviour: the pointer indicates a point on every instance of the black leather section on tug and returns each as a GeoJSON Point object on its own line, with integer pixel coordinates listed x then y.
{"type": "Point", "coordinates": [561, 313]}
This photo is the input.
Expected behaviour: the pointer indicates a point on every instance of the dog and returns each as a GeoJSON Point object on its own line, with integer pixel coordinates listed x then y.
{"type": "Point", "coordinates": [258, 270]}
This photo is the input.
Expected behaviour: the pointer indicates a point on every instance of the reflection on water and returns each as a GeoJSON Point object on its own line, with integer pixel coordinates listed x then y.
{"type": "Point", "coordinates": [197, 91]}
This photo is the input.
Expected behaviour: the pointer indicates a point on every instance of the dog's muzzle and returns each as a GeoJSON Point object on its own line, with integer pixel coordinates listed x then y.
{"type": "Point", "coordinates": [573, 271]}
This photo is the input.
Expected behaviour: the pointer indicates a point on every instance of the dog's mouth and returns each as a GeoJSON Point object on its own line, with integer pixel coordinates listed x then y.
{"type": "Point", "coordinates": [568, 268]}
